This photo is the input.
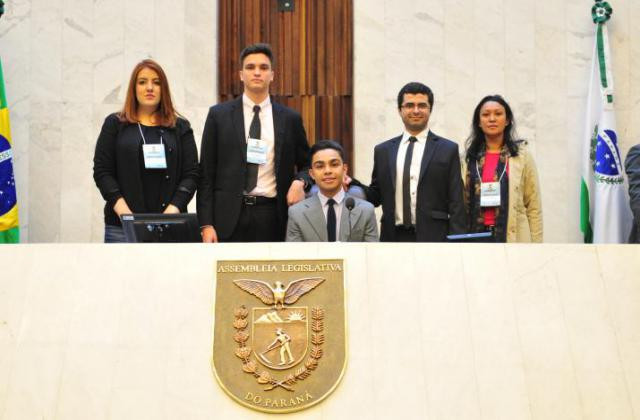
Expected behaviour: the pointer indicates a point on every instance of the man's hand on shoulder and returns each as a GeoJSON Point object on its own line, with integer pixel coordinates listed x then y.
{"type": "Point", "coordinates": [296, 192]}
{"type": "Point", "coordinates": [209, 234]}
{"type": "Point", "coordinates": [346, 181]}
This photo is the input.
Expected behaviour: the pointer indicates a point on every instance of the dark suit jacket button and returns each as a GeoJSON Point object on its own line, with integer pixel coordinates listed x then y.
{"type": "Point", "coordinates": [170, 149]}
{"type": "Point", "coordinates": [167, 177]}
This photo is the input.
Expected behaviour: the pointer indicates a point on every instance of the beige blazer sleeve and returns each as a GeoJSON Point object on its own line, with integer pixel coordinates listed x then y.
{"type": "Point", "coordinates": [531, 198]}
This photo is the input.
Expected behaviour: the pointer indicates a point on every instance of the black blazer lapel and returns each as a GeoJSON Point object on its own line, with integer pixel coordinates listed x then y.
{"type": "Point", "coordinates": [393, 158]}
{"type": "Point", "coordinates": [278, 132]}
{"type": "Point", "coordinates": [429, 150]}
{"type": "Point", "coordinates": [237, 116]}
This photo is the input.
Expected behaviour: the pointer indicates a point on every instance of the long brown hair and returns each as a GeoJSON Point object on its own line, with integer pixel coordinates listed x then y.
{"type": "Point", "coordinates": [166, 114]}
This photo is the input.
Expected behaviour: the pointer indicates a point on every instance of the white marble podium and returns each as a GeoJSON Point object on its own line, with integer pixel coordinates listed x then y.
{"type": "Point", "coordinates": [435, 331]}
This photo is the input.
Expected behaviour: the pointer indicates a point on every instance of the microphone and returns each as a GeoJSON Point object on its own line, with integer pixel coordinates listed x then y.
{"type": "Point", "coordinates": [349, 203]}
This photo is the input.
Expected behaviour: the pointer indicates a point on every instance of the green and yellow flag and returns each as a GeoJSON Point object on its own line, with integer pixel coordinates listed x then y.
{"type": "Point", "coordinates": [9, 230]}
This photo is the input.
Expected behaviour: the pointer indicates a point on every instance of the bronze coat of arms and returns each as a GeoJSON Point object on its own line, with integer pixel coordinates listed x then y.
{"type": "Point", "coordinates": [279, 335]}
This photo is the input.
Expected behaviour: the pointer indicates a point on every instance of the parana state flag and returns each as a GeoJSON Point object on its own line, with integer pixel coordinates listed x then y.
{"type": "Point", "coordinates": [9, 231]}
{"type": "Point", "coordinates": [604, 210]}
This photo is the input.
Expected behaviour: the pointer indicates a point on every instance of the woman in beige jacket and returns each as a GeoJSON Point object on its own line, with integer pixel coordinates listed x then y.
{"type": "Point", "coordinates": [501, 191]}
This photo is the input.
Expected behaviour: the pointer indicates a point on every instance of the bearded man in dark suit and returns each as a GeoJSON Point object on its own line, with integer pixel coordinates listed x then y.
{"type": "Point", "coordinates": [253, 160]}
{"type": "Point", "coordinates": [416, 176]}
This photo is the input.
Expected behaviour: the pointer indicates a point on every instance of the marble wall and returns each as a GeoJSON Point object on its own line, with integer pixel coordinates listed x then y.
{"type": "Point", "coordinates": [67, 62]}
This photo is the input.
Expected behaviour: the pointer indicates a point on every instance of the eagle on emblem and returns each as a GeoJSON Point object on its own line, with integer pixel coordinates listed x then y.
{"type": "Point", "coordinates": [279, 294]}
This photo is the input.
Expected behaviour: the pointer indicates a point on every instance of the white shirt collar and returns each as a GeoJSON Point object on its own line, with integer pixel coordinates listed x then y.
{"type": "Point", "coordinates": [422, 137]}
{"type": "Point", "coordinates": [250, 104]}
{"type": "Point", "coordinates": [337, 198]}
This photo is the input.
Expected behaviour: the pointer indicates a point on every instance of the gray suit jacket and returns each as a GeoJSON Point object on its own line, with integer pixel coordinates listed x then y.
{"type": "Point", "coordinates": [632, 167]}
{"type": "Point", "coordinates": [307, 223]}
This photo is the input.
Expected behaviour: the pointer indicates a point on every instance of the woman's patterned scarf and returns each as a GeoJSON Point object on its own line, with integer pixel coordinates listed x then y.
{"type": "Point", "coordinates": [475, 221]}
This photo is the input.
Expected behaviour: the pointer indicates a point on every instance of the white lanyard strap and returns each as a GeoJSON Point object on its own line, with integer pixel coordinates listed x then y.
{"type": "Point", "coordinates": [501, 175]}
{"type": "Point", "coordinates": [144, 141]}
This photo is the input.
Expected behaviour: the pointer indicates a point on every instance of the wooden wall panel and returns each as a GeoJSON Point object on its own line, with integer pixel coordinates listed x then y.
{"type": "Point", "coordinates": [313, 47]}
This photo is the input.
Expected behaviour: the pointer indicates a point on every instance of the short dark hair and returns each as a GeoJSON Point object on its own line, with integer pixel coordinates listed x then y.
{"type": "Point", "coordinates": [323, 145]}
{"type": "Point", "coordinates": [259, 48]}
{"type": "Point", "coordinates": [413, 88]}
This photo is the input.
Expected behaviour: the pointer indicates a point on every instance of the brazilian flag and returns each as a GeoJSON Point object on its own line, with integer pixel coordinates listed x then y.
{"type": "Point", "coordinates": [9, 230]}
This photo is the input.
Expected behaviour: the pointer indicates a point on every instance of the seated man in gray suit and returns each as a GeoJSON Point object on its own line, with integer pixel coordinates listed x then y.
{"type": "Point", "coordinates": [331, 214]}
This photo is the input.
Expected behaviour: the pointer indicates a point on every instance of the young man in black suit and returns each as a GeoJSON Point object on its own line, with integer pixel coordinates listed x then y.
{"type": "Point", "coordinates": [416, 176]}
{"type": "Point", "coordinates": [253, 160]}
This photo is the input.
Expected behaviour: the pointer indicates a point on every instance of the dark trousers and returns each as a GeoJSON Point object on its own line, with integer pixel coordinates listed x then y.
{"type": "Point", "coordinates": [258, 222]}
{"type": "Point", "coordinates": [114, 234]}
{"type": "Point", "coordinates": [405, 235]}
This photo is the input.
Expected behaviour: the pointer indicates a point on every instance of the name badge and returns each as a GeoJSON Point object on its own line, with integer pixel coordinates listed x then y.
{"type": "Point", "coordinates": [154, 157]}
{"type": "Point", "coordinates": [257, 151]}
{"type": "Point", "coordinates": [490, 194]}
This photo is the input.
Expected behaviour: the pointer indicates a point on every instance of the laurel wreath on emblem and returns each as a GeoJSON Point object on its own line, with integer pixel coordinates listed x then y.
{"type": "Point", "coordinates": [264, 377]}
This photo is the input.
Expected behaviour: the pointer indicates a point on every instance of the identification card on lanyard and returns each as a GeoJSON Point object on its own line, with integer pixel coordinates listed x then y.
{"type": "Point", "coordinates": [154, 154]}
{"type": "Point", "coordinates": [154, 157]}
{"type": "Point", "coordinates": [490, 194]}
{"type": "Point", "coordinates": [257, 151]}
{"type": "Point", "coordinates": [490, 191]}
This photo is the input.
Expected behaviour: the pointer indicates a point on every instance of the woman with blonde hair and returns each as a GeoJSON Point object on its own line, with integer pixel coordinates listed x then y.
{"type": "Point", "coordinates": [501, 191]}
{"type": "Point", "coordinates": [146, 160]}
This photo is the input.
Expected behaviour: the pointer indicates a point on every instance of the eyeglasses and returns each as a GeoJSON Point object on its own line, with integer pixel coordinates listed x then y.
{"type": "Point", "coordinates": [409, 106]}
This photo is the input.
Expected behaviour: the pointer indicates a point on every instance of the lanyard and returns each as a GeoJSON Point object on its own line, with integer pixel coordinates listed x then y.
{"type": "Point", "coordinates": [501, 175]}
{"type": "Point", "coordinates": [144, 141]}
